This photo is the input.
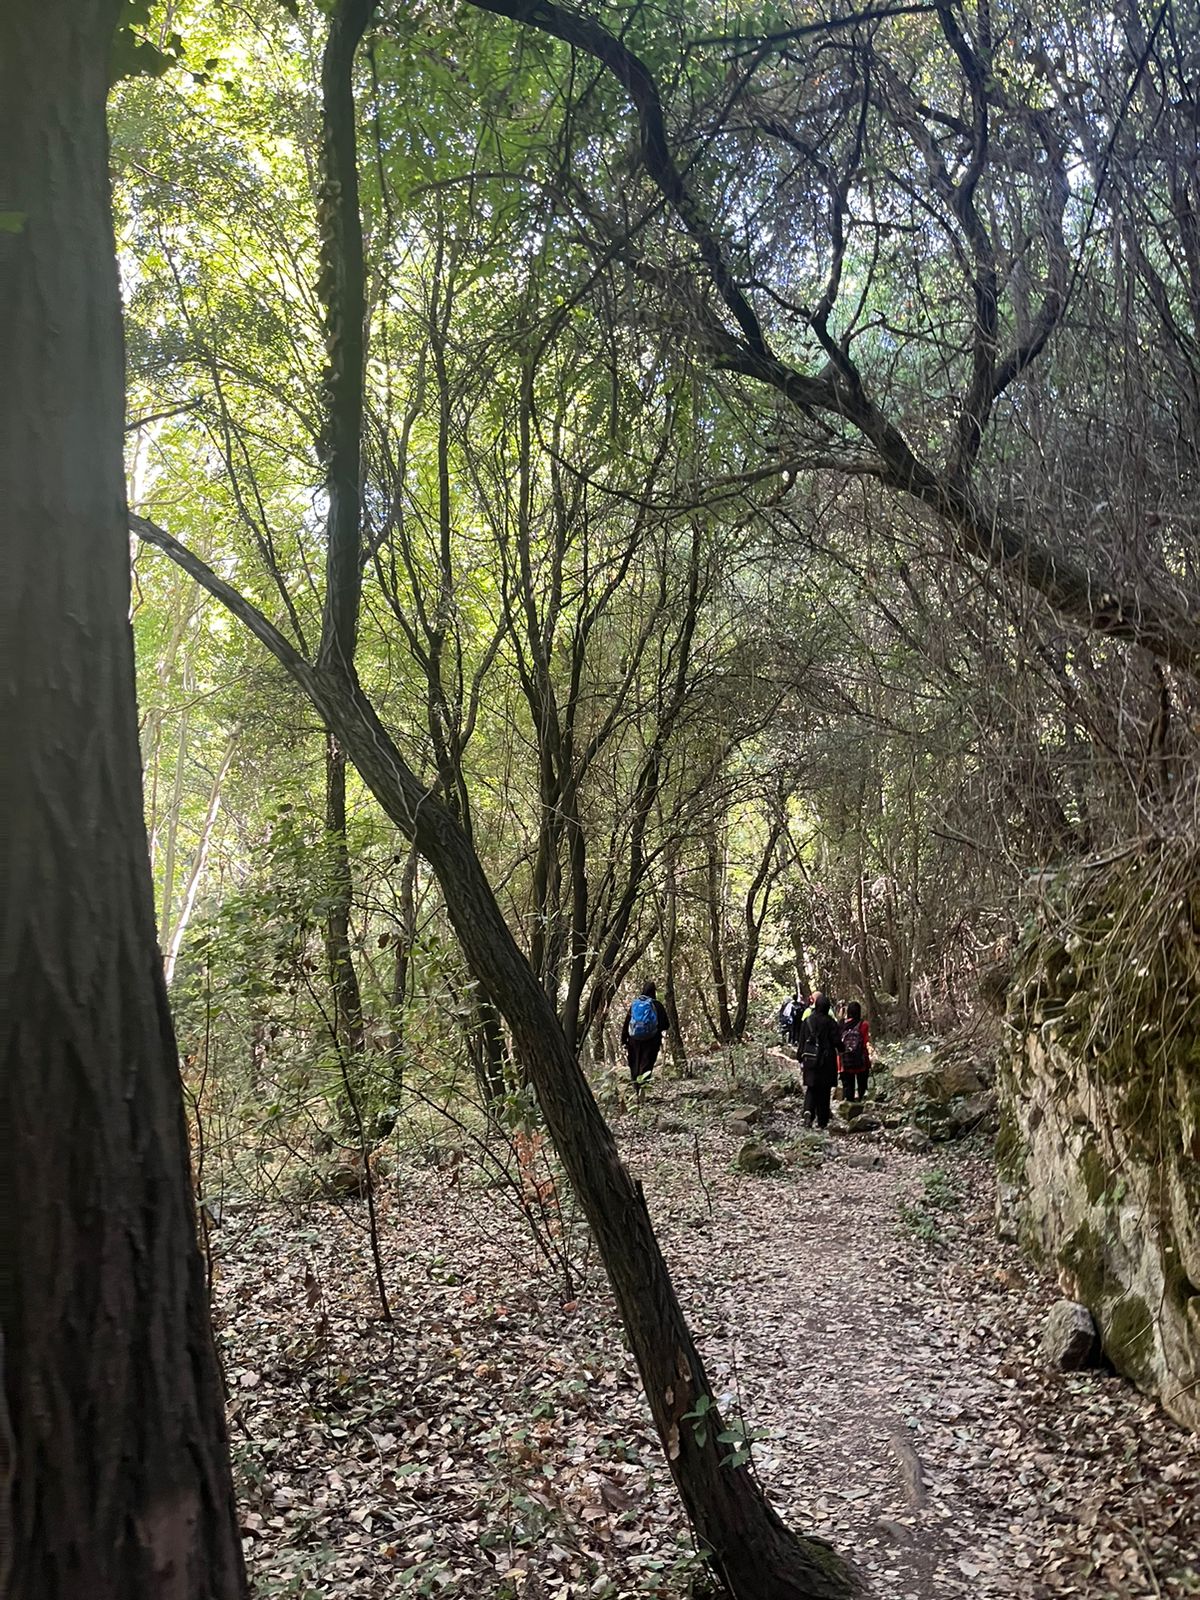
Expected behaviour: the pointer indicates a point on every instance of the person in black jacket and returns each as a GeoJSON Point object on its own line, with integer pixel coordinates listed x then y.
{"type": "Point", "coordinates": [790, 1014]}
{"type": "Point", "coordinates": [820, 1039]}
{"type": "Point", "coordinates": [642, 1033]}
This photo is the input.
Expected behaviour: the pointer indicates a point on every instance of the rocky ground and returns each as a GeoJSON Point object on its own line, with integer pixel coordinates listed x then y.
{"type": "Point", "coordinates": [883, 1349]}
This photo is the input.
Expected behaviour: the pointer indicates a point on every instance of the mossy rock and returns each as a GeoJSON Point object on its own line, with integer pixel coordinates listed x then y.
{"type": "Point", "coordinates": [1095, 1173]}
{"type": "Point", "coordinates": [1084, 1257]}
{"type": "Point", "coordinates": [758, 1159]}
{"type": "Point", "coordinates": [1129, 1337]}
{"type": "Point", "coordinates": [1011, 1150]}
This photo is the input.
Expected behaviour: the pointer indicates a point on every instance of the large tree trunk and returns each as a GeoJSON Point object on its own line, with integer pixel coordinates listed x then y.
{"type": "Point", "coordinates": [112, 1404]}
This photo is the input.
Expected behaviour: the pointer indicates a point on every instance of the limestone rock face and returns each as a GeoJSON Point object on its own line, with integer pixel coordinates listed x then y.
{"type": "Point", "coordinates": [1069, 1336]}
{"type": "Point", "coordinates": [1099, 1143]}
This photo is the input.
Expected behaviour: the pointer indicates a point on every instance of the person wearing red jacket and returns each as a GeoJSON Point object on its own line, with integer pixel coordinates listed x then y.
{"type": "Point", "coordinates": [854, 1053]}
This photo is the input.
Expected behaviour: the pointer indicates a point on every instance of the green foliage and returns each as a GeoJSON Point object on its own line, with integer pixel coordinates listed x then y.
{"type": "Point", "coordinates": [926, 1220]}
{"type": "Point", "coordinates": [134, 53]}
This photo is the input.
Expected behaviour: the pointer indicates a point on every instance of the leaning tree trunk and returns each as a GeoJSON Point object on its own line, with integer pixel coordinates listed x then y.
{"type": "Point", "coordinates": [751, 1550]}
{"type": "Point", "coordinates": [754, 1553]}
{"type": "Point", "coordinates": [111, 1405]}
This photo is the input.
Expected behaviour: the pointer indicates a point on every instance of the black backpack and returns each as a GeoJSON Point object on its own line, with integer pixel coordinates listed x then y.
{"type": "Point", "coordinates": [810, 1051]}
{"type": "Point", "coordinates": [853, 1052]}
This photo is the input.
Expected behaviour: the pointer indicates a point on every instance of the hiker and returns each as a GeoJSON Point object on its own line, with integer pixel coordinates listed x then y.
{"type": "Point", "coordinates": [642, 1031]}
{"type": "Point", "coordinates": [790, 1014]}
{"type": "Point", "coordinates": [820, 1040]}
{"type": "Point", "coordinates": [855, 1053]}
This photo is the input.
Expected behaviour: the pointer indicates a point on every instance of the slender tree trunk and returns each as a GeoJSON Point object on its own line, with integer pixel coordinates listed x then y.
{"type": "Point", "coordinates": [168, 892]}
{"type": "Point", "coordinates": [671, 994]}
{"type": "Point", "coordinates": [199, 859]}
{"type": "Point", "coordinates": [800, 959]}
{"type": "Point", "coordinates": [715, 894]}
{"type": "Point", "coordinates": [754, 915]}
{"type": "Point", "coordinates": [339, 953]}
{"type": "Point", "coordinates": [111, 1405]}
{"type": "Point", "coordinates": [402, 965]}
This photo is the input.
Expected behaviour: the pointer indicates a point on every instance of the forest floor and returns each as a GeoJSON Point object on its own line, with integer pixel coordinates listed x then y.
{"type": "Point", "coordinates": [492, 1440]}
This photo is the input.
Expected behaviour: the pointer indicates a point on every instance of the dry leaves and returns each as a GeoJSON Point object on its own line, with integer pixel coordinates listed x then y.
{"type": "Point", "coordinates": [493, 1440]}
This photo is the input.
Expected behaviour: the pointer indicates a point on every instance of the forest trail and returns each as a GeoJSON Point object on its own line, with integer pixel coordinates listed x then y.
{"type": "Point", "coordinates": [494, 1442]}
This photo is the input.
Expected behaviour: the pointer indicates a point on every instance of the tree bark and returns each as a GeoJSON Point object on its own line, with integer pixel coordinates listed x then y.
{"type": "Point", "coordinates": [112, 1405]}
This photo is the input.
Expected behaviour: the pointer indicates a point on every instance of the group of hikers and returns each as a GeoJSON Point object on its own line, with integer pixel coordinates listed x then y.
{"type": "Point", "coordinates": [829, 1050]}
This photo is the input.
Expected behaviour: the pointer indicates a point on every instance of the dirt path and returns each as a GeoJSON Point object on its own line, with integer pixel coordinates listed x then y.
{"type": "Point", "coordinates": [493, 1440]}
{"type": "Point", "coordinates": [896, 1378]}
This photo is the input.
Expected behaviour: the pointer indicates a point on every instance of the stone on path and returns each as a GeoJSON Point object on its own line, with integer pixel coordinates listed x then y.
{"type": "Point", "coordinates": [811, 1149]}
{"type": "Point", "coordinates": [756, 1157]}
{"type": "Point", "coordinates": [747, 1114]}
{"type": "Point", "coordinates": [913, 1139]}
{"type": "Point", "coordinates": [871, 1160]}
{"type": "Point", "coordinates": [786, 1088]}
{"type": "Point", "coordinates": [1069, 1336]}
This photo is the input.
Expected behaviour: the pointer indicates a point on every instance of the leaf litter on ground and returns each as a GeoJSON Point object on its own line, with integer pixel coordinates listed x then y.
{"type": "Point", "coordinates": [492, 1440]}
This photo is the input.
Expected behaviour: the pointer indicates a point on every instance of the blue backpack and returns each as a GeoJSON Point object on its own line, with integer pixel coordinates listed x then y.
{"type": "Point", "coordinates": [643, 1018]}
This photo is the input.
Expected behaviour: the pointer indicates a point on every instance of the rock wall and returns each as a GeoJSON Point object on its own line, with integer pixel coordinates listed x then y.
{"type": "Point", "coordinates": [1099, 1143]}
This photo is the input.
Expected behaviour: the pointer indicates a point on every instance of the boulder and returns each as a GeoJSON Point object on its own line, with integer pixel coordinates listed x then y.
{"type": "Point", "coordinates": [671, 1125]}
{"type": "Point", "coordinates": [748, 1092]}
{"type": "Point", "coordinates": [1069, 1339]}
{"type": "Point", "coordinates": [749, 1114]}
{"type": "Point", "coordinates": [954, 1118]}
{"type": "Point", "coordinates": [343, 1182]}
{"type": "Point", "coordinates": [946, 1080]}
{"type": "Point", "coordinates": [758, 1158]}
{"type": "Point", "coordinates": [865, 1122]}
{"type": "Point", "coordinates": [850, 1110]}
{"type": "Point", "coordinates": [811, 1149]}
{"type": "Point", "coordinates": [740, 1129]}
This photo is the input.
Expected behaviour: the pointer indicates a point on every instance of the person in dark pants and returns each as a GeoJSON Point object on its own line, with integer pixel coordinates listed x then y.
{"type": "Point", "coordinates": [820, 1039]}
{"type": "Point", "coordinates": [855, 1051]}
{"type": "Point", "coordinates": [642, 1034]}
{"type": "Point", "coordinates": [790, 1013]}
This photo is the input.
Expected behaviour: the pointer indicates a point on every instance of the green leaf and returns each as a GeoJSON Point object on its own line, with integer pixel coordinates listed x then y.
{"type": "Point", "coordinates": [12, 221]}
{"type": "Point", "coordinates": [135, 57]}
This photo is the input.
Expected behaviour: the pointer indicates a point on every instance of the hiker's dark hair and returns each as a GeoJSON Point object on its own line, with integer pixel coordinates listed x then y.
{"type": "Point", "coordinates": [854, 1011]}
{"type": "Point", "coordinates": [650, 989]}
{"type": "Point", "coordinates": [821, 1003]}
